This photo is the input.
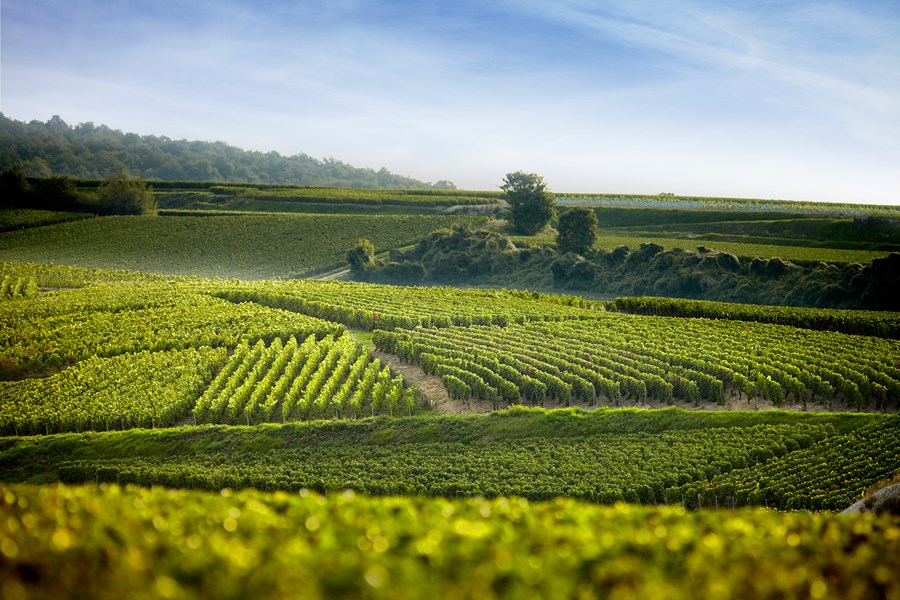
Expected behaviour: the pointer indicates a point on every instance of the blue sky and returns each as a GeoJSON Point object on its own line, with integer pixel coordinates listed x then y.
{"type": "Point", "coordinates": [793, 100]}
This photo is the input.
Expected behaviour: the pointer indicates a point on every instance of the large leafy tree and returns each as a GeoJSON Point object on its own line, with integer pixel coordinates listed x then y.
{"type": "Point", "coordinates": [530, 205]}
{"type": "Point", "coordinates": [577, 230]}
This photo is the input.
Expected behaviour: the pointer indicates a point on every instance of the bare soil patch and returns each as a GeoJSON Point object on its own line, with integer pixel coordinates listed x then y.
{"type": "Point", "coordinates": [431, 387]}
{"type": "Point", "coordinates": [871, 502]}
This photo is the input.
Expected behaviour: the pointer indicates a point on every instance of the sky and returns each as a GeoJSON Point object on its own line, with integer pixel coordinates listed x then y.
{"type": "Point", "coordinates": [756, 99]}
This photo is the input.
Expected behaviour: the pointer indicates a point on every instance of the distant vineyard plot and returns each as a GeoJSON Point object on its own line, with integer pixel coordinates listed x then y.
{"type": "Point", "coordinates": [611, 239]}
{"type": "Point", "coordinates": [244, 246]}
{"type": "Point", "coordinates": [749, 205]}
{"type": "Point", "coordinates": [297, 198]}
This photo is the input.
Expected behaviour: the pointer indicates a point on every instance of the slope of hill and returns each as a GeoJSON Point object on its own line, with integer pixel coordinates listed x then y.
{"type": "Point", "coordinates": [502, 505]}
{"type": "Point", "coordinates": [248, 246]}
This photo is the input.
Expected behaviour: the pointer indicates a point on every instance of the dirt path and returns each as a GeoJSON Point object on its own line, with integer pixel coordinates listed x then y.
{"type": "Point", "coordinates": [340, 274]}
{"type": "Point", "coordinates": [431, 386]}
{"type": "Point", "coordinates": [871, 502]}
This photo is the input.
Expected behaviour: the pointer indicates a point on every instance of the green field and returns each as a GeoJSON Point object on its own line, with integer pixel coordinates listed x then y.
{"type": "Point", "coordinates": [755, 206]}
{"type": "Point", "coordinates": [293, 198]}
{"type": "Point", "coordinates": [669, 456]}
{"type": "Point", "coordinates": [201, 424]}
{"type": "Point", "coordinates": [258, 246]}
{"type": "Point", "coordinates": [24, 218]}
{"type": "Point", "coordinates": [482, 346]}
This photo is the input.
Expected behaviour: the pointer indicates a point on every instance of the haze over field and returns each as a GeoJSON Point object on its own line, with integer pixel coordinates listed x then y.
{"type": "Point", "coordinates": [797, 100]}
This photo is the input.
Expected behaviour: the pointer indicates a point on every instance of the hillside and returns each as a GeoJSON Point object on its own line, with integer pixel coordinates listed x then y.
{"type": "Point", "coordinates": [216, 438]}
{"type": "Point", "coordinates": [89, 151]}
{"type": "Point", "coordinates": [247, 246]}
{"type": "Point", "coordinates": [624, 446]}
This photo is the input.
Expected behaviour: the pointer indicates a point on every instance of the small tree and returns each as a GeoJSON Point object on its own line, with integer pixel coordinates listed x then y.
{"type": "Point", "coordinates": [122, 195]}
{"type": "Point", "coordinates": [577, 230]}
{"type": "Point", "coordinates": [530, 205]}
{"type": "Point", "coordinates": [361, 257]}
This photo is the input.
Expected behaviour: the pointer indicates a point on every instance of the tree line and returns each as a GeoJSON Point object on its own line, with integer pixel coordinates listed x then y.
{"type": "Point", "coordinates": [89, 151]}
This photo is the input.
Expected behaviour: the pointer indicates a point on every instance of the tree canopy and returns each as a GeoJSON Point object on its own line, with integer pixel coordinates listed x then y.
{"type": "Point", "coordinates": [88, 151]}
{"type": "Point", "coordinates": [530, 204]}
{"type": "Point", "coordinates": [577, 230]}
{"type": "Point", "coordinates": [361, 257]}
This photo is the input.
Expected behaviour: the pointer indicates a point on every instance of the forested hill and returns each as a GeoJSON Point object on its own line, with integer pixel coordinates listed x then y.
{"type": "Point", "coordinates": [89, 151]}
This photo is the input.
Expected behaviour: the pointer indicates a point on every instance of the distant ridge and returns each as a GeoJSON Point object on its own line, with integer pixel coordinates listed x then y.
{"type": "Point", "coordinates": [88, 151]}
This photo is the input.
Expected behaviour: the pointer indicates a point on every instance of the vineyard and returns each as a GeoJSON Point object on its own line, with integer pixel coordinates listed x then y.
{"type": "Point", "coordinates": [192, 387]}
{"type": "Point", "coordinates": [256, 246]}
{"type": "Point", "coordinates": [817, 478]}
{"type": "Point", "coordinates": [671, 456]}
{"type": "Point", "coordinates": [183, 416]}
{"type": "Point", "coordinates": [17, 287]}
{"type": "Point", "coordinates": [61, 328]}
{"type": "Point", "coordinates": [510, 347]}
{"type": "Point", "coordinates": [751, 205]}
{"type": "Point", "coordinates": [369, 306]}
{"type": "Point", "coordinates": [111, 541]}
{"type": "Point", "coordinates": [333, 195]}
{"type": "Point", "coordinates": [611, 239]}
{"type": "Point", "coordinates": [501, 347]}
{"type": "Point", "coordinates": [314, 379]}
{"type": "Point", "coordinates": [603, 468]}
{"type": "Point", "coordinates": [104, 393]}
{"type": "Point", "coordinates": [24, 218]}
{"type": "Point", "coordinates": [60, 276]}
{"type": "Point", "coordinates": [616, 357]}
{"type": "Point", "coordinates": [856, 322]}
{"type": "Point", "coordinates": [114, 341]}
